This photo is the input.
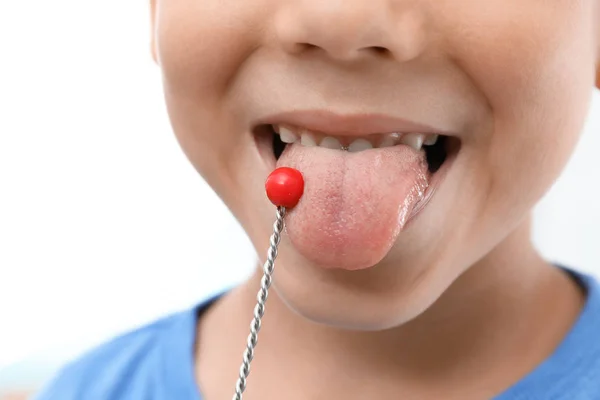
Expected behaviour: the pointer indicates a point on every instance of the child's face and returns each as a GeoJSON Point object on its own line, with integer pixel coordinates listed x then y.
{"type": "Point", "coordinates": [506, 81]}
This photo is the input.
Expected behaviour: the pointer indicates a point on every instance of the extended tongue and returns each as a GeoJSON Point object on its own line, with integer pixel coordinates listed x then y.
{"type": "Point", "coordinates": [354, 204]}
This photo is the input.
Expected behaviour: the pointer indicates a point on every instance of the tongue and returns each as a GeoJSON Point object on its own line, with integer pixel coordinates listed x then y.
{"type": "Point", "coordinates": [354, 204]}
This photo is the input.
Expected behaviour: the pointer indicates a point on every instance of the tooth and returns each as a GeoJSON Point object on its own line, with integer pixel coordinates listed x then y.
{"type": "Point", "coordinates": [430, 140]}
{"type": "Point", "coordinates": [414, 140]}
{"type": "Point", "coordinates": [307, 139]}
{"type": "Point", "coordinates": [286, 135]}
{"type": "Point", "coordinates": [330, 143]}
{"type": "Point", "coordinates": [388, 141]}
{"type": "Point", "coordinates": [359, 145]}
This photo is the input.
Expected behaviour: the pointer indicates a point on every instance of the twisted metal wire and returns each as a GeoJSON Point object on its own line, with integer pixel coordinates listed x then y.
{"type": "Point", "coordinates": [259, 309]}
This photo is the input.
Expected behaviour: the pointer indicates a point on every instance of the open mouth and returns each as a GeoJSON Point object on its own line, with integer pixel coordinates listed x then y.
{"type": "Point", "coordinates": [361, 189]}
{"type": "Point", "coordinates": [438, 148]}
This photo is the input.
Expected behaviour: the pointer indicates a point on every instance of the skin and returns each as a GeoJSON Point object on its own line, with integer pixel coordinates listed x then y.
{"type": "Point", "coordinates": [517, 75]}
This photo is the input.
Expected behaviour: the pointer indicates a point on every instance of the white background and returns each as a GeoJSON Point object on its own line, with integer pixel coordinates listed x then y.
{"type": "Point", "coordinates": [104, 225]}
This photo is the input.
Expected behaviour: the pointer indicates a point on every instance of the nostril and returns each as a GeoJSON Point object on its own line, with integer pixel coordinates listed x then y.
{"type": "Point", "coordinates": [306, 47]}
{"type": "Point", "coordinates": [298, 48]}
{"type": "Point", "coordinates": [310, 47]}
{"type": "Point", "coordinates": [379, 49]}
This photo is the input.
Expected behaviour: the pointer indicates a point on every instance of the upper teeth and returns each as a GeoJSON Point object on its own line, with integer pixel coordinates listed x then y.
{"type": "Point", "coordinates": [287, 136]}
{"type": "Point", "coordinates": [290, 134]}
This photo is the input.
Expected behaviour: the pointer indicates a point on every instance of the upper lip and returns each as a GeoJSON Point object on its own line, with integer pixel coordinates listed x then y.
{"type": "Point", "coordinates": [328, 122]}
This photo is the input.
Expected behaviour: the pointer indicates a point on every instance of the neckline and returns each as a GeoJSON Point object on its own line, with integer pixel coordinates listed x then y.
{"type": "Point", "coordinates": [179, 353]}
{"type": "Point", "coordinates": [570, 355]}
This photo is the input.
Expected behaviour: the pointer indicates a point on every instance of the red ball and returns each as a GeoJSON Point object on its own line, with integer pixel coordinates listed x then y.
{"type": "Point", "coordinates": [284, 187]}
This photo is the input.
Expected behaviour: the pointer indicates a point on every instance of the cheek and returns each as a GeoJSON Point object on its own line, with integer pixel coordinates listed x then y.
{"type": "Point", "coordinates": [202, 43]}
{"type": "Point", "coordinates": [200, 47]}
{"type": "Point", "coordinates": [537, 75]}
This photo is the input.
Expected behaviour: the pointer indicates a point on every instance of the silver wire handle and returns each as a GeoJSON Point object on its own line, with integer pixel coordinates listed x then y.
{"type": "Point", "coordinates": [259, 309]}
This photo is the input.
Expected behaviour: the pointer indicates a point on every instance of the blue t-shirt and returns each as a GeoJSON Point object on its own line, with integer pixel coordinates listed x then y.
{"type": "Point", "coordinates": [156, 363]}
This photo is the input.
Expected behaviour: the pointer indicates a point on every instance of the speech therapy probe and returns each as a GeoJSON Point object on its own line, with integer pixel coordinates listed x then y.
{"type": "Point", "coordinates": [284, 188]}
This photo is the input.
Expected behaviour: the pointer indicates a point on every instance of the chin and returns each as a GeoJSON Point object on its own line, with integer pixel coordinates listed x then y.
{"type": "Point", "coordinates": [385, 296]}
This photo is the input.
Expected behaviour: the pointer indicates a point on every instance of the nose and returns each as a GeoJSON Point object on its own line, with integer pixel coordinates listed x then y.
{"type": "Point", "coordinates": [349, 29]}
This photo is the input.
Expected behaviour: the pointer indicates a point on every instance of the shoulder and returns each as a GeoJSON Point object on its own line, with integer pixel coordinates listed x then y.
{"type": "Point", "coordinates": [572, 372]}
{"type": "Point", "coordinates": [575, 366]}
{"type": "Point", "coordinates": [122, 368]}
{"type": "Point", "coordinates": [587, 333]}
